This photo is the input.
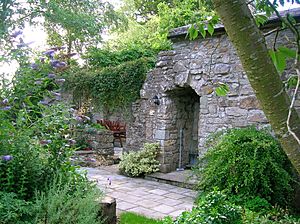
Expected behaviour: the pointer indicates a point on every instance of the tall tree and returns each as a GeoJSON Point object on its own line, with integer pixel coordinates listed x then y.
{"type": "Point", "coordinates": [262, 73]}
{"type": "Point", "coordinates": [78, 24]}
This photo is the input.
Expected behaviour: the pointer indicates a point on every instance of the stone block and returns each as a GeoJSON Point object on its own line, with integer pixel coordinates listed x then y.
{"type": "Point", "coordinates": [182, 78]}
{"type": "Point", "coordinates": [161, 134]}
{"type": "Point", "coordinates": [257, 116]}
{"type": "Point", "coordinates": [212, 109]}
{"type": "Point", "coordinates": [250, 102]}
{"type": "Point", "coordinates": [222, 69]}
{"type": "Point", "coordinates": [180, 67]}
{"type": "Point", "coordinates": [108, 210]}
{"type": "Point", "coordinates": [165, 168]}
{"type": "Point", "coordinates": [235, 111]}
{"type": "Point", "coordinates": [207, 90]}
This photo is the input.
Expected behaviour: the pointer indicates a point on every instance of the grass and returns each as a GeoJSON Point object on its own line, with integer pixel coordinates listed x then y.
{"type": "Point", "coordinates": [132, 218]}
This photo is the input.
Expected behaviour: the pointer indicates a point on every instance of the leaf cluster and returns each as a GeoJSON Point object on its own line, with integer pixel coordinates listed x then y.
{"type": "Point", "coordinates": [183, 13]}
{"type": "Point", "coordinates": [139, 163]}
{"type": "Point", "coordinates": [213, 208]}
{"type": "Point", "coordinates": [110, 87]}
{"type": "Point", "coordinates": [248, 163]}
{"type": "Point", "coordinates": [101, 58]}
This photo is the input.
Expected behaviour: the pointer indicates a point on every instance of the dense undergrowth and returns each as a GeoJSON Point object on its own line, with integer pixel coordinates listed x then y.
{"type": "Point", "coordinates": [37, 178]}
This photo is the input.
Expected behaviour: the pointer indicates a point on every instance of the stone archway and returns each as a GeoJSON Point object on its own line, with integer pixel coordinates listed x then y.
{"type": "Point", "coordinates": [180, 144]}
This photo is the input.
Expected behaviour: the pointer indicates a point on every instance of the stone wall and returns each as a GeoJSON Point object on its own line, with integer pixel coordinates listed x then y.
{"type": "Point", "coordinates": [194, 68]}
{"type": "Point", "coordinates": [101, 141]}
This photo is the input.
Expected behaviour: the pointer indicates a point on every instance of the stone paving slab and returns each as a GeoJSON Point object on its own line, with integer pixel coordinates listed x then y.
{"type": "Point", "coordinates": [149, 198]}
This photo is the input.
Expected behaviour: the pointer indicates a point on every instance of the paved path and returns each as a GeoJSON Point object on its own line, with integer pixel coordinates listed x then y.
{"type": "Point", "coordinates": [145, 197]}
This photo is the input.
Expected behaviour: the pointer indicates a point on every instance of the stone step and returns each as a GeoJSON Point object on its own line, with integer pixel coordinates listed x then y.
{"type": "Point", "coordinates": [84, 152]}
{"type": "Point", "coordinates": [183, 179]}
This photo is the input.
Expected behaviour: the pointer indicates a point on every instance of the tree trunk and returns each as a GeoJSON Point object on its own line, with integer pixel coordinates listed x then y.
{"type": "Point", "coordinates": [262, 74]}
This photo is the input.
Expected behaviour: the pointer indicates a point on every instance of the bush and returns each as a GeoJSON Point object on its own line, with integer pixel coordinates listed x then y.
{"type": "Point", "coordinates": [14, 210]}
{"type": "Point", "coordinates": [31, 156]}
{"type": "Point", "coordinates": [214, 208]}
{"type": "Point", "coordinates": [142, 162]}
{"type": "Point", "coordinates": [248, 163]}
{"type": "Point", "coordinates": [68, 202]}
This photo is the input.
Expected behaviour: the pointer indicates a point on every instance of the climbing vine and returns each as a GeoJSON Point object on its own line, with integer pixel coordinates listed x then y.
{"type": "Point", "coordinates": [110, 87]}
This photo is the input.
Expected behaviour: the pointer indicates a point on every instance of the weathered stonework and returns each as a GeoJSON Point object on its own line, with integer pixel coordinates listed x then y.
{"type": "Point", "coordinates": [184, 80]}
{"type": "Point", "coordinates": [101, 141]}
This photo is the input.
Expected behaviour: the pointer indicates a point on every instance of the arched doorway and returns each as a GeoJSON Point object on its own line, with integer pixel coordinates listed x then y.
{"type": "Point", "coordinates": [184, 126]}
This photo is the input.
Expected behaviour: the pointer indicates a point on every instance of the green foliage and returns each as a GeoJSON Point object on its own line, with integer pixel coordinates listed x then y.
{"type": "Point", "coordinates": [140, 37]}
{"type": "Point", "coordinates": [111, 87]}
{"type": "Point", "coordinates": [65, 200]}
{"type": "Point", "coordinates": [68, 202]}
{"type": "Point", "coordinates": [132, 218]}
{"type": "Point", "coordinates": [14, 210]}
{"type": "Point", "coordinates": [248, 163]}
{"type": "Point", "coordinates": [222, 89]}
{"type": "Point", "coordinates": [38, 151]}
{"type": "Point", "coordinates": [144, 9]}
{"type": "Point", "coordinates": [280, 56]}
{"type": "Point", "coordinates": [101, 58]}
{"type": "Point", "coordinates": [214, 208]}
{"type": "Point", "coordinates": [274, 215]}
{"type": "Point", "coordinates": [141, 162]}
{"type": "Point", "coordinates": [78, 23]}
{"type": "Point", "coordinates": [257, 204]}
{"type": "Point", "coordinates": [183, 13]}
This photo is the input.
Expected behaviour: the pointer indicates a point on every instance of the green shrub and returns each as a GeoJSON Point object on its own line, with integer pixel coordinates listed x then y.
{"type": "Point", "coordinates": [36, 153]}
{"type": "Point", "coordinates": [248, 163]}
{"type": "Point", "coordinates": [275, 215]}
{"type": "Point", "coordinates": [68, 202]}
{"type": "Point", "coordinates": [142, 162]}
{"type": "Point", "coordinates": [214, 208]}
{"type": "Point", "coordinates": [14, 210]}
{"type": "Point", "coordinates": [24, 170]}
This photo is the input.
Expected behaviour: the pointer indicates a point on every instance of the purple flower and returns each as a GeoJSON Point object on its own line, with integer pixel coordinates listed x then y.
{"type": "Point", "coordinates": [16, 33]}
{"type": "Point", "coordinates": [38, 82]}
{"type": "Point", "coordinates": [49, 53]}
{"type": "Point", "coordinates": [54, 62]}
{"type": "Point", "coordinates": [6, 108]}
{"type": "Point", "coordinates": [21, 45]}
{"type": "Point", "coordinates": [57, 64]}
{"type": "Point", "coordinates": [51, 76]}
{"type": "Point", "coordinates": [42, 59]}
{"type": "Point", "coordinates": [7, 157]}
{"type": "Point", "coordinates": [5, 101]}
{"type": "Point", "coordinates": [34, 66]}
{"type": "Point", "coordinates": [78, 118]}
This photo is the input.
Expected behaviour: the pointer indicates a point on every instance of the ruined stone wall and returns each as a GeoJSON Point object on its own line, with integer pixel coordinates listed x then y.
{"type": "Point", "coordinates": [198, 65]}
{"type": "Point", "coordinates": [101, 141]}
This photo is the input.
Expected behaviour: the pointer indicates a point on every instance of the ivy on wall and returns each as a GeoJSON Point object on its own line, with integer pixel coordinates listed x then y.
{"type": "Point", "coordinates": [110, 87]}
